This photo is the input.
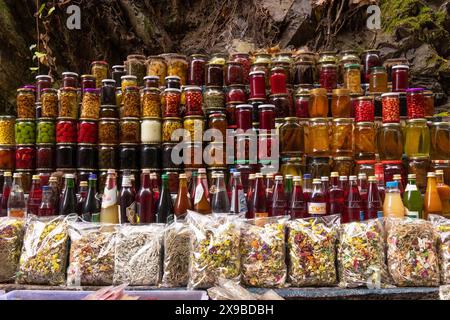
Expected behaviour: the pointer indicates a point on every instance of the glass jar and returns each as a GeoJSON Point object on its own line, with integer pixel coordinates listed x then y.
{"type": "Point", "coordinates": [245, 143]}
{"type": "Point", "coordinates": [364, 135]}
{"type": "Point", "coordinates": [320, 144]}
{"type": "Point", "coordinates": [400, 82]}
{"type": "Point", "coordinates": [443, 165]}
{"type": "Point", "coordinates": [194, 127]}
{"type": "Point", "coordinates": [42, 82]}
{"type": "Point", "coordinates": [46, 155]}
{"type": "Point", "coordinates": [244, 60]}
{"type": "Point", "coordinates": [156, 66]}
{"type": "Point", "coordinates": [343, 166]}
{"type": "Point", "coordinates": [118, 71]}
{"type": "Point", "coordinates": [151, 82]}
{"type": "Point", "coordinates": [291, 138]}
{"type": "Point", "coordinates": [68, 104]}
{"type": "Point", "coordinates": [25, 101]}
{"type": "Point", "coordinates": [128, 81]}
{"type": "Point", "coordinates": [150, 156]}
{"type": "Point", "coordinates": [266, 113]}
{"type": "Point", "coordinates": [151, 130]}
{"type": "Point", "coordinates": [364, 109]}
{"type": "Point", "coordinates": [130, 103]}
{"type": "Point", "coordinates": [194, 101]}
{"type": "Point", "coordinates": [108, 157]}
{"type": "Point", "coordinates": [66, 131]}
{"type": "Point", "coordinates": [390, 141]}
{"type": "Point", "coordinates": [352, 78]}
{"type": "Point", "coordinates": [303, 73]}
{"type": "Point", "coordinates": [45, 131]}
{"type": "Point", "coordinates": [214, 75]}
{"type": "Point", "coordinates": [26, 179]}
{"type": "Point", "coordinates": [7, 124]}
{"type": "Point", "coordinates": [87, 131]}
{"type": "Point", "coordinates": [440, 140]}
{"type": "Point", "coordinates": [172, 103]}
{"type": "Point", "coordinates": [257, 84]}
{"type": "Point", "coordinates": [319, 167]}
{"type": "Point", "coordinates": [88, 81]}
{"type": "Point", "coordinates": [342, 137]}
{"type": "Point", "coordinates": [7, 158]}
{"type": "Point", "coordinates": [108, 92]}
{"type": "Point", "coordinates": [25, 157]}
{"type": "Point", "coordinates": [169, 126]}
{"type": "Point", "coordinates": [196, 74]}
{"type": "Point", "coordinates": [341, 104]}
{"type": "Point", "coordinates": [371, 58]}
{"type": "Point", "coordinates": [244, 116]}
{"type": "Point", "coordinates": [391, 107]}
{"type": "Point", "coordinates": [129, 130]}
{"type": "Point", "coordinates": [420, 167]}
{"type": "Point", "coordinates": [328, 77]}
{"type": "Point", "coordinates": [109, 112]}
{"type": "Point", "coordinates": [283, 105]}
{"type": "Point", "coordinates": [428, 98]}
{"type": "Point", "coordinates": [135, 66]}
{"type": "Point", "coordinates": [415, 103]}
{"type": "Point", "coordinates": [234, 73]}
{"type": "Point", "coordinates": [25, 131]}
{"type": "Point", "coordinates": [278, 80]}
{"type": "Point", "coordinates": [392, 168]}
{"type": "Point", "coordinates": [90, 107]}
{"type": "Point", "coordinates": [214, 98]}
{"type": "Point", "coordinates": [99, 69]}
{"type": "Point", "coordinates": [66, 155]}
{"type": "Point", "coordinates": [108, 131]}
{"type": "Point", "coordinates": [347, 57]}
{"type": "Point", "coordinates": [177, 65]}
{"type": "Point", "coordinates": [268, 149]}
{"type": "Point", "coordinates": [129, 157]}
{"type": "Point", "coordinates": [151, 103]}
{"type": "Point", "coordinates": [255, 103]}
{"type": "Point", "coordinates": [302, 101]}
{"type": "Point", "coordinates": [318, 106]}
{"type": "Point", "coordinates": [417, 138]}
{"type": "Point", "coordinates": [378, 80]}
{"type": "Point", "coordinates": [167, 149]}
{"type": "Point", "coordinates": [291, 166]}
{"type": "Point", "coordinates": [218, 121]}
{"type": "Point", "coordinates": [192, 155]}
{"type": "Point", "coordinates": [236, 94]}
{"type": "Point", "coordinates": [87, 156]}
{"type": "Point", "coordinates": [215, 155]}
{"type": "Point", "coordinates": [49, 98]}
{"type": "Point", "coordinates": [366, 167]}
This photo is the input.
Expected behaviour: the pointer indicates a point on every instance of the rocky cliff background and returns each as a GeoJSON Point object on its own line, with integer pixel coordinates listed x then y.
{"type": "Point", "coordinates": [34, 37]}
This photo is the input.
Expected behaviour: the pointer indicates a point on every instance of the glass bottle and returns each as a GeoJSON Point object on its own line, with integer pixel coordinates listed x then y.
{"type": "Point", "coordinates": [393, 204]}
{"type": "Point", "coordinates": [307, 187]}
{"type": "Point", "coordinates": [69, 199]}
{"type": "Point", "coordinates": [444, 192]}
{"type": "Point", "coordinates": [56, 195]}
{"type": "Point", "coordinates": [154, 185]}
{"type": "Point", "coordinates": [7, 184]}
{"type": "Point", "coordinates": [401, 187]}
{"type": "Point", "coordinates": [374, 203]}
{"type": "Point", "coordinates": [432, 201]}
{"type": "Point", "coordinates": [46, 208]}
{"type": "Point", "coordinates": [270, 183]}
{"type": "Point", "coordinates": [35, 196]}
{"type": "Point", "coordinates": [182, 202]}
{"type": "Point", "coordinates": [92, 206]}
{"type": "Point", "coordinates": [109, 212]}
{"type": "Point", "coordinates": [336, 196]}
{"type": "Point", "coordinates": [279, 201]}
{"type": "Point", "coordinates": [192, 185]}
{"type": "Point", "coordinates": [363, 187]}
{"type": "Point", "coordinates": [16, 206]}
{"type": "Point", "coordinates": [353, 202]}
{"type": "Point", "coordinates": [297, 205]}
{"type": "Point", "coordinates": [145, 202]}
{"type": "Point", "coordinates": [165, 212]}
{"type": "Point", "coordinates": [412, 199]}
{"type": "Point", "coordinates": [288, 187]}
{"type": "Point", "coordinates": [258, 207]}
{"type": "Point", "coordinates": [220, 201]}
{"type": "Point", "coordinates": [379, 175]}
{"type": "Point", "coordinates": [127, 199]}
{"type": "Point", "coordinates": [250, 190]}
{"type": "Point", "coordinates": [343, 184]}
{"type": "Point", "coordinates": [238, 200]}
{"type": "Point", "coordinates": [317, 204]}
{"type": "Point", "coordinates": [201, 195]}
{"type": "Point", "coordinates": [81, 196]}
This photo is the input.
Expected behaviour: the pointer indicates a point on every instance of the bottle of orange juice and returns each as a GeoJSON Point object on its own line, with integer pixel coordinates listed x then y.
{"type": "Point", "coordinates": [444, 192]}
{"type": "Point", "coordinates": [432, 200]}
{"type": "Point", "coordinates": [393, 205]}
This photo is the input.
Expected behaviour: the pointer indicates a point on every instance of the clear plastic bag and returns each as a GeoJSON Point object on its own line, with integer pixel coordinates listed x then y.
{"type": "Point", "coordinates": [45, 250]}
{"type": "Point", "coordinates": [361, 255]}
{"type": "Point", "coordinates": [411, 252]}
{"type": "Point", "coordinates": [214, 250]}
{"type": "Point", "coordinates": [177, 247]}
{"type": "Point", "coordinates": [91, 254]}
{"type": "Point", "coordinates": [138, 256]}
{"type": "Point", "coordinates": [12, 231]}
{"type": "Point", "coordinates": [442, 227]}
{"type": "Point", "coordinates": [263, 252]}
{"type": "Point", "coordinates": [312, 251]}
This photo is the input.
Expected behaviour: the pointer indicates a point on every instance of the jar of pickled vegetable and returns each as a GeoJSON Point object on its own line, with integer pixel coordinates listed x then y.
{"type": "Point", "coordinates": [66, 131]}
{"type": "Point", "coordinates": [364, 135]}
{"type": "Point", "coordinates": [343, 166]}
{"type": "Point", "coordinates": [352, 77]}
{"type": "Point", "coordinates": [25, 131]}
{"type": "Point", "coordinates": [415, 103]}
{"type": "Point", "coordinates": [318, 106]}
{"type": "Point", "coordinates": [291, 138]}
{"type": "Point", "coordinates": [169, 126]}
{"type": "Point", "coordinates": [151, 103]}
{"type": "Point", "coordinates": [128, 81]}
{"type": "Point", "coordinates": [257, 84]}
{"type": "Point", "coordinates": [7, 157]}
{"type": "Point", "coordinates": [417, 138]}
{"type": "Point", "coordinates": [214, 98]}
{"type": "Point", "coordinates": [99, 69]}
{"type": "Point", "coordinates": [244, 116]}
{"type": "Point", "coordinates": [129, 130]}
{"type": "Point", "coordinates": [420, 167]}
{"type": "Point", "coordinates": [328, 77]}
{"type": "Point", "coordinates": [109, 112]}
{"type": "Point", "coordinates": [341, 104]}
{"type": "Point", "coordinates": [49, 98]}
{"type": "Point", "coordinates": [390, 141]}
{"type": "Point", "coordinates": [366, 167]}
{"type": "Point", "coordinates": [42, 82]}
{"type": "Point", "coordinates": [194, 127]}
{"type": "Point", "coordinates": [130, 103]}
{"type": "Point", "coordinates": [342, 137]}
{"type": "Point", "coordinates": [87, 131]}
{"type": "Point", "coordinates": [88, 81]}
{"type": "Point", "coordinates": [45, 131]}
{"type": "Point", "coordinates": [108, 131]}
{"type": "Point", "coordinates": [319, 167]}
{"type": "Point", "coordinates": [303, 73]}
{"type": "Point", "coordinates": [392, 168]}
{"type": "Point", "coordinates": [172, 103]}
{"type": "Point", "coordinates": [129, 157]}
{"type": "Point", "coordinates": [177, 65]}
{"type": "Point", "coordinates": [318, 137]}
{"type": "Point", "coordinates": [440, 140]}
{"type": "Point", "coordinates": [283, 105]}
{"type": "Point", "coordinates": [135, 66]}
{"type": "Point", "coordinates": [87, 156]}
{"type": "Point", "coordinates": [90, 107]}
{"type": "Point", "coordinates": [443, 165]}
{"type": "Point", "coordinates": [150, 156]}
{"type": "Point", "coordinates": [7, 124]}
{"type": "Point", "coordinates": [151, 130]}
{"type": "Point", "coordinates": [66, 155]}
{"type": "Point", "coordinates": [156, 66]}
{"type": "Point", "coordinates": [68, 104]}
{"type": "Point", "coordinates": [291, 166]}
{"type": "Point", "coordinates": [371, 58]}
{"type": "Point", "coordinates": [194, 101]}
{"type": "Point", "coordinates": [25, 101]}
{"type": "Point", "coordinates": [108, 156]}
{"type": "Point", "coordinates": [278, 81]}
{"type": "Point", "coordinates": [378, 80]}
{"type": "Point", "coordinates": [45, 156]}
{"type": "Point", "coordinates": [400, 78]}
{"type": "Point", "coordinates": [302, 101]}
{"type": "Point", "coordinates": [364, 109]}
{"type": "Point", "coordinates": [391, 107]}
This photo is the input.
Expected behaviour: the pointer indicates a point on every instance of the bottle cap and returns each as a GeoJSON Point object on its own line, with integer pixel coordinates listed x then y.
{"type": "Point", "coordinates": [92, 176]}
{"type": "Point", "coordinates": [83, 184]}
{"type": "Point", "coordinates": [372, 179]}
{"type": "Point", "coordinates": [53, 179]}
{"type": "Point", "coordinates": [306, 176]}
{"type": "Point", "coordinates": [252, 176]}
{"type": "Point", "coordinates": [362, 175]}
{"type": "Point", "coordinates": [219, 174]}
{"type": "Point", "coordinates": [439, 171]}
{"type": "Point", "coordinates": [165, 177]}
{"type": "Point", "coordinates": [278, 178]}
{"type": "Point", "coordinates": [317, 181]}
{"type": "Point", "coordinates": [70, 176]}
{"type": "Point", "coordinates": [35, 177]}
{"type": "Point", "coordinates": [45, 188]}
{"type": "Point", "coordinates": [202, 171]}
{"type": "Point", "coordinates": [182, 176]}
{"type": "Point", "coordinates": [429, 175]}
{"type": "Point", "coordinates": [259, 175]}
{"type": "Point", "coordinates": [270, 176]}
{"type": "Point", "coordinates": [411, 176]}
{"type": "Point", "coordinates": [236, 174]}
{"type": "Point", "coordinates": [343, 178]}
{"type": "Point", "coordinates": [397, 177]}
{"type": "Point", "coordinates": [352, 178]}
{"type": "Point", "coordinates": [392, 184]}
{"type": "Point", "coordinates": [334, 174]}
{"type": "Point", "coordinates": [324, 179]}
{"type": "Point", "coordinates": [7, 174]}
{"type": "Point", "coordinates": [289, 176]}
{"type": "Point", "coordinates": [144, 171]}
{"type": "Point", "coordinates": [111, 171]}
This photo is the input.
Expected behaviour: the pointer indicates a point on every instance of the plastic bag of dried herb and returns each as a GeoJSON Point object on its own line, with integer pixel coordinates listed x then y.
{"type": "Point", "coordinates": [263, 252]}
{"type": "Point", "coordinates": [411, 252]}
{"type": "Point", "coordinates": [214, 249]}
{"type": "Point", "coordinates": [12, 231]}
{"type": "Point", "coordinates": [361, 255]}
{"type": "Point", "coordinates": [92, 252]}
{"type": "Point", "coordinates": [138, 257]}
{"type": "Point", "coordinates": [312, 251]}
{"type": "Point", "coordinates": [45, 250]}
{"type": "Point", "coordinates": [442, 227]}
{"type": "Point", "coordinates": [177, 246]}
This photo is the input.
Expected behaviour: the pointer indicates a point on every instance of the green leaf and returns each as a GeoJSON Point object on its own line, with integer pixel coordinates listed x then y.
{"type": "Point", "coordinates": [39, 54]}
{"type": "Point", "coordinates": [41, 8]}
{"type": "Point", "coordinates": [33, 46]}
{"type": "Point", "coordinates": [50, 11]}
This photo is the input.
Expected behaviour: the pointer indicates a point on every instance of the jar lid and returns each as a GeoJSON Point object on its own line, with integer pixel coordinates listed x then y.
{"type": "Point", "coordinates": [50, 90]}
{"type": "Point", "coordinates": [193, 88]}
{"type": "Point", "coordinates": [110, 106]}
{"type": "Point", "coordinates": [419, 158]}
{"type": "Point", "coordinates": [44, 170]}
{"type": "Point", "coordinates": [26, 89]}
{"type": "Point", "coordinates": [24, 170]}
{"type": "Point", "coordinates": [25, 119]}
{"type": "Point", "coordinates": [46, 119]}
{"type": "Point", "coordinates": [86, 169]}
{"type": "Point", "coordinates": [70, 74]}
{"type": "Point", "coordinates": [129, 119]}
{"type": "Point", "coordinates": [391, 162]}
{"type": "Point", "coordinates": [68, 89]}
{"type": "Point", "coordinates": [329, 65]}
{"type": "Point", "coordinates": [172, 118]}
{"type": "Point", "coordinates": [378, 68]}
{"type": "Point", "coordinates": [88, 120]}
{"type": "Point", "coordinates": [88, 76]}
{"type": "Point", "coordinates": [445, 124]}
{"type": "Point", "coordinates": [66, 144]}
{"type": "Point", "coordinates": [67, 169]}
{"type": "Point", "coordinates": [151, 78]}
{"type": "Point", "coordinates": [44, 76]}
{"type": "Point", "coordinates": [172, 90]}
{"type": "Point", "coordinates": [279, 95]}
{"type": "Point", "coordinates": [318, 119]}
{"type": "Point", "coordinates": [266, 106]}
{"type": "Point", "coordinates": [390, 94]}
{"type": "Point", "coordinates": [364, 98]}
{"type": "Point", "coordinates": [352, 66]}
{"type": "Point", "coordinates": [242, 106]}
{"type": "Point", "coordinates": [343, 158]}
{"type": "Point", "coordinates": [291, 119]}
{"type": "Point", "coordinates": [240, 54]}
{"type": "Point", "coordinates": [391, 124]}
{"type": "Point", "coordinates": [400, 66]}
{"type": "Point", "coordinates": [152, 118]}
{"type": "Point", "coordinates": [256, 72]}
{"type": "Point", "coordinates": [318, 91]}
{"type": "Point", "coordinates": [415, 90]}
{"type": "Point", "coordinates": [109, 119]}
{"type": "Point", "coordinates": [345, 120]}
{"type": "Point", "coordinates": [112, 81]}
{"type": "Point", "coordinates": [366, 161]}
{"type": "Point", "coordinates": [342, 92]}
{"type": "Point", "coordinates": [173, 78]}
{"type": "Point", "coordinates": [136, 56]}
{"type": "Point", "coordinates": [99, 62]}
{"type": "Point", "coordinates": [118, 66]}
{"type": "Point", "coordinates": [128, 77]}
{"type": "Point", "coordinates": [25, 145]}
{"type": "Point", "coordinates": [129, 145]}
{"type": "Point", "coordinates": [107, 145]}
{"type": "Point", "coordinates": [418, 120]}
{"type": "Point", "coordinates": [364, 123]}
{"type": "Point", "coordinates": [155, 57]}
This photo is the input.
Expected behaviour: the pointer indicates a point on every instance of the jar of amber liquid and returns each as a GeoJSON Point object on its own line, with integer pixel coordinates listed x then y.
{"type": "Point", "coordinates": [440, 140]}
{"type": "Point", "coordinates": [177, 65]}
{"type": "Point", "coordinates": [318, 137]}
{"type": "Point", "coordinates": [378, 80]}
{"type": "Point", "coordinates": [443, 165]}
{"type": "Point", "coordinates": [342, 137]}
{"type": "Point", "coordinates": [428, 100]}
{"type": "Point", "coordinates": [318, 106]}
{"type": "Point", "coordinates": [420, 167]}
{"type": "Point", "coordinates": [417, 138]}
{"type": "Point", "coordinates": [194, 127]}
{"type": "Point", "coordinates": [364, 135]}
{"type": "Point", "coordinates": [343, 165]}
{"type": "Point", "coordinates": [291, 166]}
{"type": "Point", "coordinates": [291, 137]}
{"type": "Point", "coordinates": [390, 141]}
{"type": "Point", "coordinates": [352, 77]}
{"type": "Point", "coordinates": [341, 104]}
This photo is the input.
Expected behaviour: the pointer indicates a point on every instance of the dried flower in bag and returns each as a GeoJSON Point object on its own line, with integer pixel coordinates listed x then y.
{"type": "Point", "coordinates": [442, 227]}
{"type": "Point", "coordinates": [411, 253]}
{"type": "Point", "coordinates": [263, 253]}
{"type": "Point", "coordinates": [11, 237]}
{"type": "Point", "coordinates": [312, 251]}
{"type": "Point", "coordinates": [138, 258]}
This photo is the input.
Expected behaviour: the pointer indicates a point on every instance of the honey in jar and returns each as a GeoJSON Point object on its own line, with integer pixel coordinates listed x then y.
{"type": "Point", "coordinates": [318, 137]}
{"type": "Point", "coordinates": [364, 140]}
{"type": "Point", "coordinates": [417, 138]}
{"type": "Point", "coordinates": [341, 104]}
{"type": "Point", "coordinates": [342, 137]}
{"type": "Point", "coordinates": [390, 141]}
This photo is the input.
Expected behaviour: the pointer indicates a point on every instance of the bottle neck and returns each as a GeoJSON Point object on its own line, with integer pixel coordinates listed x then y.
{"type": "Point", "coordinates": [145, 181]}
{"type": "Point", "coordinates": [70, 183]}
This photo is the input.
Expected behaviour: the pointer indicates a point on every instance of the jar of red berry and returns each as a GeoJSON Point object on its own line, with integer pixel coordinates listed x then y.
{"type": "Point", "coordinates": [244, 116]}
{"type": "Point", "coordinates": [283, 105]}
{"type": "Point", "coordinates": [400, 75]}
{"type": "Point", "coordinates": [45, 158]}
{"type": "Point", "coordinates": [364, 109]}
{"type": "Point", "coordinates": [415, 103]}
{"type": "Point", "coordinates": [87, 131]}
{"type": "Point", "coordinates": [278, 81]}
{"type": "Point", "coordinates": [257, 85]}
{"type": "Point", "coordinates": [268, 147]}
{"type": "Point", "coordinates": [302, 105]}
{"type": "Point", "coordinates": [236, 93]}
{"type": "Point", "coordinates": [234, 73]}
{"type": "Point", "coordinates": [25, 157]}
{"type": "Point", "coordinates": [266, 117]}
{"type": "Point", "coordinates": [328, 77]}
{"type": "Point", "coordinates": [391, 107]}
{"type": "Point", "coordinates": [172, 103]}
{"type": "Point", "coordinates": [7, 158]}
{"type": "Point", "coordinates": [87, 156]}
{"type": "Point", "coordinates": [196, 73]}
{"type": "Point", "coordinates": [244, 60]}
{"type": "Point", "coordinates": [194, 101]}
{"type": "Point", "coordinates": [66, 131]}
{"type": "Point", "coordinates": [230, 111]}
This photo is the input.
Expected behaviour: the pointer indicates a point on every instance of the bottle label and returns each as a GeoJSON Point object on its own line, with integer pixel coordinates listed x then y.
{"type": "Point", "coordinates": [412, 214]}
{"type": "Point", "coordinates": [198, 193]}
{"type": "Point", "coordinates": [317, 208]}
{"type": "Point", "coordinates": [411, 187]}
{"type": "Point", "coordinates": [131, 214]}
{"type": "Point", "coordinates": [109, 198]}
{"type": "Point", "coordinates": [95, 217]}
{"type": "Point", "coordinates": [242, 201]}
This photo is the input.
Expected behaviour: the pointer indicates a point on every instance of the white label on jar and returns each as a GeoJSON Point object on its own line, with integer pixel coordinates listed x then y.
{"type": "Point", "coordinates": [317, 208]}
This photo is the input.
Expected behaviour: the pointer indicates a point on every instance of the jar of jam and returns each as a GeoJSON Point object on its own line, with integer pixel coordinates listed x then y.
{"type": "Point", "coordinates": [214, 75]}
{"type": "Point", "coordinates": [352, 77]}
{"type": "Point", "coordinates": [117, 72]}
{"type": "Point", "coordinates": [244, 116]}
{"type": "Point", "coordinates": [257, 84]}
{"type": "Point", "coordinates": [440, 140]}
{"type": "Point", "coordinates": [194, 127]}
{"type": "Point", "coordinates": [108, 131]}
{"type": "Point", "coordinates": [99, 69]}
{"type": "Point", "coordinates": [25, 101]}
{"type": "Point", "coordinates": [400, 82]}
{"type": "Point", "coordinates": [193, 155]}
{"type": "Point", "coordinates": [194, 101]}
{"type": "Point", "coordinates": [167, 159]}
{"type": "Point", "coordinates": [390, 141]}
{"type": "Point", "coordinates": [156, 66]}
{"type": "Point", "coordinates": [151, 103]}
{"type": "Point", "coordinates": [108, 156]}
{"type": "Point", "coordinates": [340, 103]}
{"type": "Point", "coordinates": [328, 77]}
{"type": "Point", "coordinates": [371, 58]}
{"type": "Point", "coordinates": [7, 157]}
{"type": "Point", "coordinates": [428, 99]}
{"type": "Point", "coordinates": [129, 156]}
{"type": "Point", "coordinates": [283, 105]}
{"type": "Point", "coordinates": [130, 103]}
{"type": "Point", "coordinates": [66, 131]}
{"type": "Point", "coordinates": [129, 130]}
{"type": "Point", "coordinates": [319, 167]}
{"type": "Point", "coordinates": [343, 166]}
{"type": "Point", "coordinates": [364, 109]}
{"type": "Point", "coordinates": [366, 167]}
{"type": "Point", "coordinates": [268, 149]}
{"type": "Point", "coordinates": [45, 131]}
{"type": "Point", "coordinates": [177, 65]}
{"type": "Point", "coordinates": [392, 168]}
{"type": "Point", "coordinates": [420, 167]}
{"type": "Point", "coordinates": [342, 137]}
{"type": "Point", "coordinates": [278, 81]}
{"type": "Point", "coordinates": [302, 101]}
{"type": "Point", "coordinates": [42, 82]}
{"type": "Point", "coordinates": [267, 116]}
{"type": "Point", "coordinates": [218, 121]}
{"type": "Point", "coordinates": [169, 126]}
{"type": "Point", "coordinates": [87, 131]}
{"type": "Point", "coordinates": [318, 137]}
{"type": "Point", "coordinates": [415, 103]}
{"type": "Point", "coordinates": [244, 60]}
{"type": "Point", "coordinates": [364, 135]}
{"type": "Point", "coordinates": [151, 82]}
{"type": "Point", "coordinates": [304, 73]}
{"type": "Point", "coordinates": [291, 138]}
{"type": "Point", "coordinates": [378, 80]}
{"type": "Point", "coordinates": [234, 73]}
{"type": "Point", "coordinates": [443, 165]}
{"type": "Point", "coordinates": [172, 99]}
{"type": "Point", "coordinates": [150, 156]}
{"type": "Point", "coordinates": [45, 158]}
{"type": "Point", "coordinates": [87, 156]}
{"type": "Point", "coordinates": [391, 107]}
{"type": "Point", "coordinates": [49, 98]}
{"type": "Point", "coordinates": [129, 81]}
{"type": "Point", "coordinates": [25, 157]}
{"type": "Point", "coordinates": [291, 166]}
{"type": "Point", "coordinates": [318, 106]}
{"type": "Point", "coordinates": [90, 107]}
{"type": "Point", "coordinates": [214, 98]}
{"type": "Point", "coordinates": [196, 73]}
{"type": "Point", "coordinates": [417, 138]}
{"type": "Point", "coordinates": [66, 155]}
{"type": "Point", "coordinates": [236, 94]}
{"type": "Point", "coordinates": [88, 81]}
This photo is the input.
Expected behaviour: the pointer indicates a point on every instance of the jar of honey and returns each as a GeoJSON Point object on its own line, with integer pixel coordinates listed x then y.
{"type": "Point", "coordinates": [390, 141]}
{"type": "Point", "coordinates": [417, 138]}
{"type": "Point", "coordinates": [318, 106]}
{"type": "Point", "coordinates": [342, 137]}
{"type": "Point", "coordinates": [364, 136]}
{"type": "Point", "coordinates": [341, 104]}
{"type": "Point", "coordinates": [318, 137]}
{"type": "Point", "coordinates": [440, 141]}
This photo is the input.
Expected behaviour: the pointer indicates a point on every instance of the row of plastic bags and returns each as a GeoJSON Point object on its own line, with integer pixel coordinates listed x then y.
{"type": "Point", "coordinates": [267, 252]}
